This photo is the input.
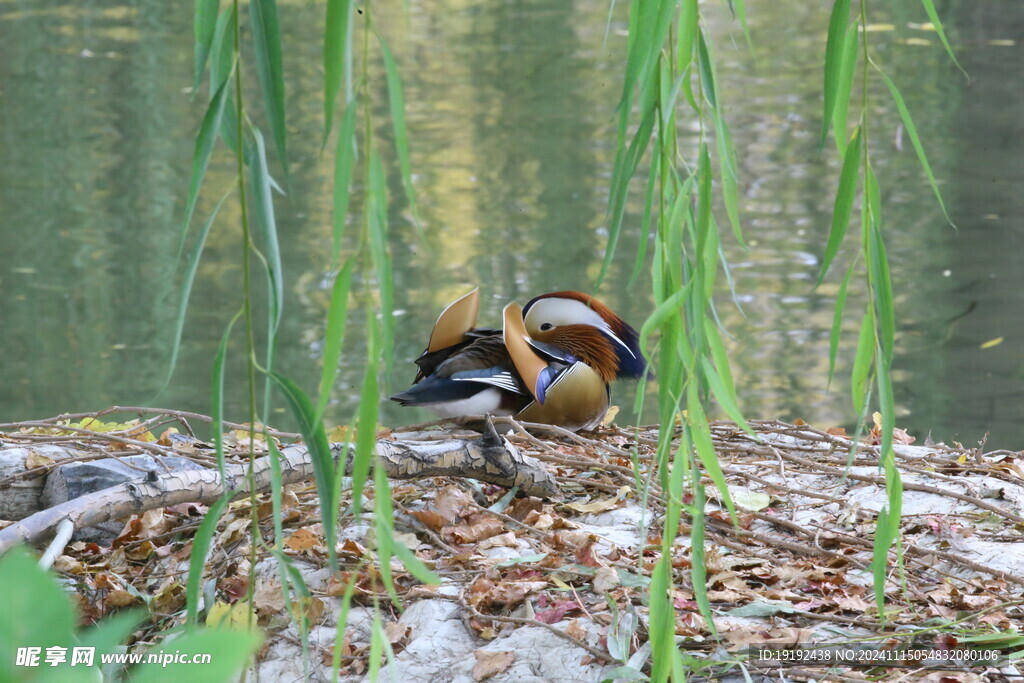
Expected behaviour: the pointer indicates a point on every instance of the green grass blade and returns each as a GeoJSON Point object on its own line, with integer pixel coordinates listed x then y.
{"type": "Point", "coordinates": [232, 648]}
{"type": "Point", "coordinates": [344, 160]}
{"type": "Point", "coordinates": [377, 203]}
{"type": "Point", "coordinates": [222, 63]}
{"type": "Point", "coordinates": [843, 206]}
{"type": "Point", "coordinates": [698, 560]}
{"type": "Point", "coordinates": [415, 565]}
{"type": "Point", "coordinates": [200, 549]}
{"type": "Point", "coordinates": [837, 325]}
{"type": "Point", "coordinates": [724, 375]}
{"type": "Point", "coordinates": [844, 86]}
{"type": "Point", "coordinates": [192, 266]}
{"type": "Point", "coordinates": [217, 395]}
{"type": "Point", "coordinates": [337, 50]}
{"type": "Point", "coordinates": [701, 436]}
{"type": "Point", "coordinates": [334, 337]}
{"type": "Point", "coordinates": [834, 49]}
{"type": "Point", "coordinates": [645, 223]}
{"type": "Point", "coordinates": [276, 489]}
{"type": "Point", "coordinates": [626, 162]}
{"type": "Point", "coordinates": [366, 426]}
{"type": "Point", "coordinates": [266, 37]}
{"type": "Point", "coordinates": [862, 360]}
{"type": "Point", "coordinates": [721, 391]}
{"type": "Point", "coordinates": [396, 98]}
{"type": "Point", "coordinates": [687, 35]}
{"type": "Point", "coordinates": [204, 23]}
{"type": "Point", "coordinates": [730, 184]}
{"type": "Point", "coordinates": [201, 157]}
{"type": "Point", "coordinates": [339, 640]}
{"type": "Point", "coordinates": [933, 16]}
{"type": "Point", "coordinates": [320, 453]}
{"type": "Point", "coordinates": [881, 281]}
{"type": "Point", "coordinates": [263, 208]}
{"type": "Point", "coordinates": [707, 72]}
{"type": "Point", "coordinates": [667, 310]}
{"type": "Point", "coordinates": [915, 140]}
{"type": "Point", "coordinates": [740, 10]}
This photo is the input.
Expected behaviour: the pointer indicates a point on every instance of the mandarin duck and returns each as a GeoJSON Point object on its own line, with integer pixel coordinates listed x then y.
{"type": "Point", "coordinates": [551, 362]}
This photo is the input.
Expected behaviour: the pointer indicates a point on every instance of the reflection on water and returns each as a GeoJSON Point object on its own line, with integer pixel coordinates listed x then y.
{"type": "Point", "coordinates": [510, 109]}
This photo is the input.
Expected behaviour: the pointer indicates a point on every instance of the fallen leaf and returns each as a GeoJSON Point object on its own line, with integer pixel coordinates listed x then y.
{"type": "Point", "coordinates": [268, 597]}
{"type": "Point", "coordinates": [605, 578]}
{"type": "Point", "coordinates": [302, 540]}
{"type": "Point", "coordinates": [431, 519]}
{"type": "Point", "coordinates": [120, 598]}
{"type": "Point", "coordinates": [451, 501]}
{"type": "Point", "coordinates": [476, 528]}
{"type": "Point", "coordinates": [595, 505]}
{"type": "Point", "coordinates": [34, 460]}
{"type": "Point", "coordinates": [491, 663]}
{"type": "Point", "coordinates": [505, 540]}
{"type": "Point", "coordinates": [749, 500]}
{"type": "Point", "coordinates": [610, 415]}
{"type": "Point", "coordinates": [576, 630]}
{"type": "Point", "coordinates": [229, 616]}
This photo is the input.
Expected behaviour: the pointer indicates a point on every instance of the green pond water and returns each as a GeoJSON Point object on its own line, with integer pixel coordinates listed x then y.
{"type": "Point", "coordinates": [510, 109]}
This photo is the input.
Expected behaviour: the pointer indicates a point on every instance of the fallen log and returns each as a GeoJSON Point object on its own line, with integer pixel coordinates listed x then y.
{"type": "Point", "coordinates": [490, 458]}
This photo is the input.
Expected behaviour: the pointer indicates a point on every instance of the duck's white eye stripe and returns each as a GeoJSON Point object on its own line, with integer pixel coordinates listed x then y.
{"type": "Point", "coordinates": [607, 330]}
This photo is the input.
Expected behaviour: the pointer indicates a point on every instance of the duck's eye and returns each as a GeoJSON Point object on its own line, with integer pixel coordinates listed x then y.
{"type": "Point", "coordinates": [546, 326]}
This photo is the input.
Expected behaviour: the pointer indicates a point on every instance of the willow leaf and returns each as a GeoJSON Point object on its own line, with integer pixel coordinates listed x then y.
{"type": "Point", "coordinates": [837, 24]}
{"type": "Point", "coordinates": [266, 36]}
{"type": "Point", "coordinates": [204, 23]}
{"type": "Point", "coordinates": [929, 7]}
{"type": "Point", "coordinates": [334, 336]}
{"type": "Point", "coordinates": [843, 206]}
{"type": "Point", "coordinates": [837, 324]}
{"type": "Point", "coordinates": [337, 53]}
{"type": "Point", "coordinates": [201, 157]}
{"type": "Point", "coordinates": [344, 160]}
{"type": "Point", "coordinates": [688, 24]}
{"type": "Point", "coordinates": [915, 140]}
{"type": "Point", "coordinates": [862, 360]}
{"type": "Point", "coordinates": [186, 288]}
{"type": "Point", "coordinates": [377, 204]}
{"type": "Point", "coordinates": [366, 427]}
{"type": "Point", "coordinates": [197, 559]}
{"type": "Point", "coordinates": [263, 208]}
{"type": "Point", "coordinates": [844, 86]}
{"type": "Point", "coordinates": [396, 98]}
{"type": "Point", "coordinates": [320, 453]}
{"type": "Point", "coordinates": [707, 71]}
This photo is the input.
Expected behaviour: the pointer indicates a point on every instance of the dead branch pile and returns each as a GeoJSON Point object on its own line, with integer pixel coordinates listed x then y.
{"type": "Point", "coordinates": [534, 587]}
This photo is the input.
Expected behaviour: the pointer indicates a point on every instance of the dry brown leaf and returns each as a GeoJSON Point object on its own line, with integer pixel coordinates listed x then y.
{"type": "Point", "coordinates": [543, 521]}
{"type": "Point", "coordinates": [268, 597]}
{"type": "Point", "coordinates": [575, 629]}
{"type": "Point", "coordinates": [476, 528]}
{"type": "Point", "coordinates": [511, 593]}
{"type": "Point", "coordinates": [491, 663]}
{"type": "Point", "coordinates": [34, 460]}
{"type": "Point", "coordinates": [451, 501]}
{"type": "Point", "coordinates": [431, 519]}
{"type": "Point", "coordinates": [505, 540]}
{"type": "Point", "coordinates": [397, 633]}
{"type": "Point", "coordinates": [303, 540]}
{"type": "Point", "coordinates": [853, 603]}
{"type": "Point", "coordinates": [68, 565]}
{"type": "Point", "coordinates": [600, 505]}
{"type": "Point", "coordinates": [120, 598]}
{"type": "Point", "coordinates": [605, 579]}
